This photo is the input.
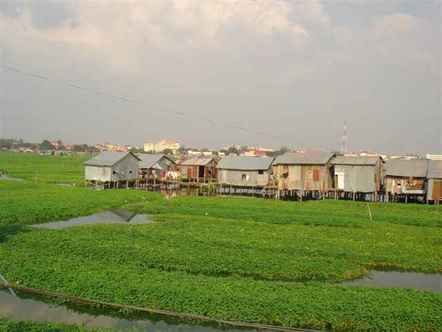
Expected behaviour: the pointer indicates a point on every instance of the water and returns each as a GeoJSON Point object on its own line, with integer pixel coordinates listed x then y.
{"type": "Point", "coordinates": [9, 178]}
{"type": "Point", "coordinates": [114, 216]}
{"type": "Point", "coordinates": [24, 308]}
{"type": "Point", "coordinates": [393, 279]}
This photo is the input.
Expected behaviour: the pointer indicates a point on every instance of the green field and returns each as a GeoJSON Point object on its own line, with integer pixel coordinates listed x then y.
{"type": "Point", "coordinates": [27, 203]}
{"type": "Point", "coordinates": [244, 259]}
{"type": "Point", "coordinates": [48, 169]}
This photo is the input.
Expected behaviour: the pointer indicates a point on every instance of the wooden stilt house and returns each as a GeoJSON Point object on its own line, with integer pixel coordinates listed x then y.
{"type": "Point", "coordinates": [358, 174]}
{"type": "Point", "coordinates": [405, 179]}
{"type": "Point", "coordinates": [198, 170]}
{"type": "Point", "coordinates": [114, 168]}
{"type": "Point", "coordinates": [244, 171]}
{"type": "Point", "coordinates": [304, 172]}
{"type": "Point", "coordinates": [434, 178]}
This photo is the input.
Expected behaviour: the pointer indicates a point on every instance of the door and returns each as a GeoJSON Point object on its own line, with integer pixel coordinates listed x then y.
{"type": "Point", "coordinates": [340, 176]}
{"type": "Point", "coordinates": [201, 172]}
{"type": "Point", "coordinates": [437, 190]}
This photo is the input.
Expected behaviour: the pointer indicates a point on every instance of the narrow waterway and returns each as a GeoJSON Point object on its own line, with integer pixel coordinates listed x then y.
{"type": "Point", "coordinates": [430, 282]}
{"type": "Point", "coordinates": [23, 308]}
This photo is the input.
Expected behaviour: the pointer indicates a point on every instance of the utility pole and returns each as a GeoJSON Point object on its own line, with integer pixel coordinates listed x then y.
{"type": "Point", "coordinates": [344, 141]}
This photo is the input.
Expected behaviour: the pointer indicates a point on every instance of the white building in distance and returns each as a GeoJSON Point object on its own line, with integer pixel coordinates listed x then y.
{"type": "Point", "coordinates": [161, 146]}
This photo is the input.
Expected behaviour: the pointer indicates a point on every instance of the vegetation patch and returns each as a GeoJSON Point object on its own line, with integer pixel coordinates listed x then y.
{"type": "Point", "coordinates": [28, 203]}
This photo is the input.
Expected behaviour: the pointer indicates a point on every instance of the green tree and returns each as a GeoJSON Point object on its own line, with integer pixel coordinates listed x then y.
{"type": "Point", "coordinates": [46, 145]}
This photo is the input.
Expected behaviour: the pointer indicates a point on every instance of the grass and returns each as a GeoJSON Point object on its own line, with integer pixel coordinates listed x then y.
{"type": "Point", "coordinates": [27, 203]}
{"type": "Point", "coordinates": [46, 169]}
{"type": "Point", "coordinates": [328, 212]}
{"type": "Point", "coordinates": [244, 259]}
{"type": "Point", "coordinates": [238, 270]}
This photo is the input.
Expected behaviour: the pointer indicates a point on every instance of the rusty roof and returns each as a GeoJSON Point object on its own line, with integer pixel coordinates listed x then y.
{"type": "Point", "coordinates": [196, 162]}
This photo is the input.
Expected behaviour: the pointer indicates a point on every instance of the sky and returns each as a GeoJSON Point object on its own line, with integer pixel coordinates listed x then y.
{"type": "Point", "coordinates": [210, 73]}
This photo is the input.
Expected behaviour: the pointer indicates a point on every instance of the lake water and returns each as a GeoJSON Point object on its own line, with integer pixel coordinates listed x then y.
{"type": "Point", "coordinates": [23, 308]}
{"type": "Point", "coordinates": [114, 216]}
{"type": "Point", "coordinates": [431, 282]}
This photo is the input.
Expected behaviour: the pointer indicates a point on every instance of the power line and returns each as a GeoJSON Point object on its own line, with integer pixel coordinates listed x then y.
{"type": "Point", "coordinates": [129, 100]}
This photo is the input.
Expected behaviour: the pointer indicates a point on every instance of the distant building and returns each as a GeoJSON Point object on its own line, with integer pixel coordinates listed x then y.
{"type": "Point", "coordinates": [161, 146]}
{"type": "Point", "coordinates": [434, 156]}
{"type": "Point", "coordinates": [245, 171]}
{"type": "Point", "coordinates": [112, 167]}
{"type": "Point", "coordinates": [257, 152]}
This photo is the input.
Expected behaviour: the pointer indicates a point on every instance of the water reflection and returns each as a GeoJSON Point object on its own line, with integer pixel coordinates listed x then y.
{"type": "Point", "coordinates": [394, 279]}
{"type": "Point", "coordinates": [21, 309]}
{"type": "Point", "coordinates": [114, 216]}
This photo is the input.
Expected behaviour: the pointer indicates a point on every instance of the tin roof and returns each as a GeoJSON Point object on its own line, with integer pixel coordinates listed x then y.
{"type": "Point", "coordinates": [196, 162]}
{"type": "Point", "coordinates": [406, 168]}
{"type": "Point", "coordinates": [245, 163]}
{"type": "Point", "coordinates": [151, 160]}
{"type": "Point", "coordinates": [434, 169]}
{"type": "Point", "coordinates": [304, 158]}
{"type": "Point", "coordinates": [355, 160]}
{"type": "Point", "coordinates": [108, 158]}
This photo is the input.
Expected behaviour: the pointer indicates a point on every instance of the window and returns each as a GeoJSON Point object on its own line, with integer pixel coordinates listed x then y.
{"type": "Point", "coordinates": [260, 172]}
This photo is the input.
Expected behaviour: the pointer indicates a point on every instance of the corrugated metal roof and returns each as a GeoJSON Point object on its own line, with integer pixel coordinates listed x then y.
{"type": "Point", "coordinates": [149, 160]}
{"type": "Point", "coordinates": [355, 160]}
{"type": "Point", "coordinates": [435, 169]}
{"type": "Point", "coordinates": [406, 168]}
{"type": "Point", "coordinates": [304, 158]}
{"type": "Point", "coordinates": [245, 163]}
{"type": "Point", "coordinates": [196, 162]}
{"type": "Point", "coordinates": [107, 158]}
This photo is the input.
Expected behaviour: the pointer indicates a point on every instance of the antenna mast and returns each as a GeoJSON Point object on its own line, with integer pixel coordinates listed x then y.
{"type": "Point", "coordinates": [344, 141]}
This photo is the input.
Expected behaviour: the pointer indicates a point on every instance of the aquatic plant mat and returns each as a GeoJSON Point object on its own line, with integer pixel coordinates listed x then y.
{"type": "Point", "coordinates": [135, 311]}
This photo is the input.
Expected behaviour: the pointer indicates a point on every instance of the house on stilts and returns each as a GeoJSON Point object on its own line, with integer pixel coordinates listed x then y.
{"type": "Point", "coordinates": [303, 174]}
{"type": "Point", "coordinates": [112, 169]}
{"type": "Point", "coordinates": [242, 174]}
{"type": "Point", "coordinates": [434, 178]}
{"type": "Point", "coordinates": [198, 170]}
{"type": "Point", "coordinates": [357, 177]}
{"type": "Point", "coordinates": [405, 179]}
{"type": "Point", "coordinates": [156, 168]}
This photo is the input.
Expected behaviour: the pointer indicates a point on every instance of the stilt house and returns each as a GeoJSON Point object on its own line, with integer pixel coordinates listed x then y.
{"type": "Point", "coordinates": [198, 170]}
{"type": "Point", "coordinates": [434, 178]}
{"type": "Point", "coordinates": [355, 174]}
{"type": "Point", "coordinates": [112, 167]}
{"type": "Point", "coordinates": [244, 171]}
{"type": "Point", "coordinates": [304, 171]}
{"type": "Point", "coordinates": [405, 178]}
{"type": "Point", "coordinates": [155, 167]}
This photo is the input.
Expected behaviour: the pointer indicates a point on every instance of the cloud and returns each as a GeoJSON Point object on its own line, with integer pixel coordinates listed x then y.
{"type": "Point", "coordinates": [292, 67]}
